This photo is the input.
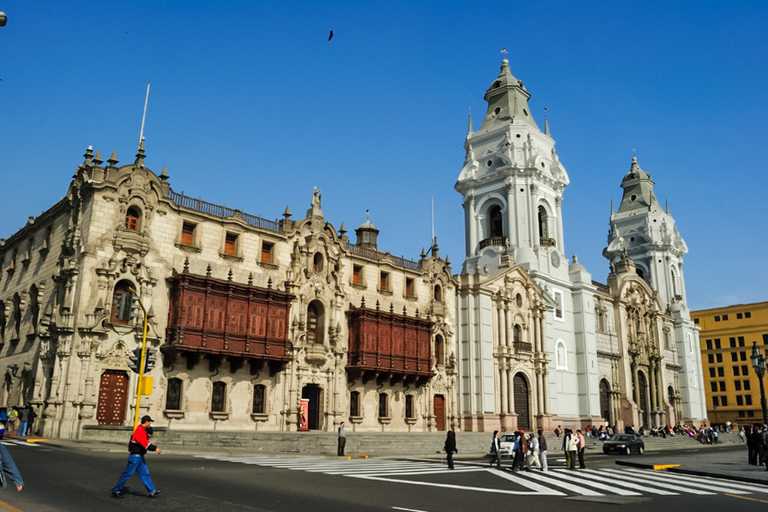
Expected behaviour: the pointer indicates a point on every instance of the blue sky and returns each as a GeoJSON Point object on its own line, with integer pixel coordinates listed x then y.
{"type": "Point", "coordinates": [251, 106]}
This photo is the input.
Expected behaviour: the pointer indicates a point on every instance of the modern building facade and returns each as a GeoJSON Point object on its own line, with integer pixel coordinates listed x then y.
{"type": "Point", "coordinates": [728, 335]}
{"type": "Point", "coordinates": [279, 325]}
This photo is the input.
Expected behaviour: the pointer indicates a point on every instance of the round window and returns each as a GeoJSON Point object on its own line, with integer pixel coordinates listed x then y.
{"type": "Point", "coordinates": [489, 163]}
{"type": "Point", "coordinates": [519, 300]}
{"type": "Point", "coordinates": [497, 110]}
{"type": "Point", "coordinates": [632, 197]}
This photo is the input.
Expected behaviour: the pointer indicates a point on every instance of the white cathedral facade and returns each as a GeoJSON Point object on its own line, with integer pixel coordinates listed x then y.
{"type": "Point", "coordinates": [277, 326]}
{"type": "Point", "coordinates": [539, 342]}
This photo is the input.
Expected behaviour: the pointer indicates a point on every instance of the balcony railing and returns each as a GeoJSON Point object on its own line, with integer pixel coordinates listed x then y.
{"type": "Point", "coordinates": [496, 241]}
{"type": "Point", "coordinates": [221, 211]}
{"type": "Point", "coordinates": [376, 255]}
{"type": "Point", "coordinates": [546, 242]}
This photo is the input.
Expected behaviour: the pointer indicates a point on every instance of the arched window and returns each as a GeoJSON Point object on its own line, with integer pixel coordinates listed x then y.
{"type": "Point", "coordinates": [543, 223]}
{"type": "Point", "coordinates": [438, 349]}
{"type": "Point", "coordinates": [173, 395]}
{"type": "Point", "coordinates": [495, 224]}
{"type": "Point", "coordinates": [383, 405]}
{"type": "Point", "coordinates": [16, 319]}
{"type": "Point", "coordinates": [121, 303]}
{"type": "Point", "coordinates": [315, 322]}
{"type": "Point", "coordinates": [132, 217]}
{"type": "Point", "coordinates": [517, 333]}
{"type": "Point", "coordinates": [259, 393]}
{"type": "Point", "coordinates": [317, 262]}
{"type": "Point", "coordinates": [219, 397]}
{"type": "Point", "coordinates": [561, 362]}
{"type": "Point", "coordinates": [354, 403]}
{"type": "Point", "coordinates": [438, 293]}
{"type": "Point", "coordinates": [676, 288]}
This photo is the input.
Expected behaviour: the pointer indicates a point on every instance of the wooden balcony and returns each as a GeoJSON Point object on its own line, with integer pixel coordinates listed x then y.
{"type": "Point", "coordinates": [221, 319]}
{"type": "Point", "coordinates": [388, 347]}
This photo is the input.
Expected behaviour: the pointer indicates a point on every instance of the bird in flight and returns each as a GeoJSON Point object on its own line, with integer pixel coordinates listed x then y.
{"type": "Point", "coordinates": [330, 36]}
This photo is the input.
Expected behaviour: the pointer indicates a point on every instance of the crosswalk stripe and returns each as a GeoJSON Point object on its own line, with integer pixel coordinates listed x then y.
{"type": "Point", "coordinates": [597, 485]}
{"type": "Point", "coordinates": [616, 474]}
{"type": "Point", "coordinates": [540, 489]}
{"type": "Point", "coordinates": [20, 443]}
{"type": "Point", "coordinates": [562, 484]}
{"type": "Point", "coordinates": [631, 485]}
{"type": "Point", "coordinates": [718, 485]}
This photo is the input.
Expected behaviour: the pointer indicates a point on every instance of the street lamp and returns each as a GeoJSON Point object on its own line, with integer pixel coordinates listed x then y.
{"type": "Point", "coordinates": [758, 363]}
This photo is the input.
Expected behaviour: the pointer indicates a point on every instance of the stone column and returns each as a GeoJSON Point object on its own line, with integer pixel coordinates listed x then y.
{"type": "Point", "coordinates": [560, 239]}
{"type": "Point", "coordinates": [470, 221]}
{"type": "Point", "coordinates": [504, 392]}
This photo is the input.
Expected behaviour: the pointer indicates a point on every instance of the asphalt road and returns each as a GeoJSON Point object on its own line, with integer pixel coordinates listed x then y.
{"type": "Point", "coordinates": [61, 479]}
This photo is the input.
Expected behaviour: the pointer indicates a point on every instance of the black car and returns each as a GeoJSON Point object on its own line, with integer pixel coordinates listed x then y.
{"type": "Point", "coordinates": [624, 443]}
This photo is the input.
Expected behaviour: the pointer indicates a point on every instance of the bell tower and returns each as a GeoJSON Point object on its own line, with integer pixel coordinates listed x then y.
{"type": "Point", "coordinates": [512, 185]}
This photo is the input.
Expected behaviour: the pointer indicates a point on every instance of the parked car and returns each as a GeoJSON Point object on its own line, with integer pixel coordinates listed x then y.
{"type": "Point", "coordinates": [506, 442]}
{"type": "Point", "coordinates": [624, 443]}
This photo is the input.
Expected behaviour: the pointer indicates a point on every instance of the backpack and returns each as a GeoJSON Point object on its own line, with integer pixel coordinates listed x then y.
{"type": "Point", "coordinates": [493, 446]}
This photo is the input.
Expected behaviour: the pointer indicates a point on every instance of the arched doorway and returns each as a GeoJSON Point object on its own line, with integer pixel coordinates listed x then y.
{"type": "Point", "coordinates": [113, 394]}
{"type": "Point", "coordinates": [642, 405]}
{"type": "Point", "coordinates": [522, 409]}
{"type": "Point", "coordinates": [314, 394]}
{"type": "Point", "coordinates": [439, 404]}
{"type": "Point", "coordinates": [605, 401]}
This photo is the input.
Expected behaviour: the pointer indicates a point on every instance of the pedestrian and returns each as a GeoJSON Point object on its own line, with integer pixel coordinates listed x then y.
{"type": "Point", "coordinates": [342, 440]}
{"type": "Point", "coordinates": [582, 447]}
{"type": "Point", "coordinates": [751, 452]}
{"type": "Point", "coordinates": [518, 460]}
{"type": "Point", "coordinates": [450, 447]}
{"type": "Point", "coordinates": [557, 432]}
{"type": "Point", "coordinates": [10, 423]}
{"type": "Point", "coordinates": [542, 450]}
{"type": "Point", "coordinates": [495, 450]}
{"type": "Point", "coordinates": [138, 447]}
{"type": "Point", "coordinates": [741, 434]}
{"type": "Point", "coordinates": [757, 445]}
{"type": "Point", "coordinates": [31, 421]}
{"type": "Point", "coordinates": [573, 448]}
{"type": "Point", "coordinates": [764, 445]}
{"type": "Point", "coordinates": [9, 470]}
{"type": "Point", "coordinates": [533, 452]}
{"type": "Point", "coordinates": [23, 421]}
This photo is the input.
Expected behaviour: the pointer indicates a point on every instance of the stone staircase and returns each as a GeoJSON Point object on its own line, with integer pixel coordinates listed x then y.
{"type": "Point", "coordinates": [371, 444]}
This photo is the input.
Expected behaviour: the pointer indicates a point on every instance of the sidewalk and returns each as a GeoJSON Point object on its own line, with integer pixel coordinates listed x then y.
{"type": "Point", "coordinates": [728, 461]}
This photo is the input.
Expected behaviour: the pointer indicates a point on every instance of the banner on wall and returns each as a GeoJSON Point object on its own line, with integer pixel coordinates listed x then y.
{"type": "Point", "coordinates": [304, 414]}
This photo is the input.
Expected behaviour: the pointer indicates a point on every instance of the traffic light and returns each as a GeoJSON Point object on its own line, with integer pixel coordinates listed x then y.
{"type": "Point", "coordinates": [135, 308]}
{"type": "Point", "coordinates": [150, 360]}
{"type": "Point", "coordinates": [135, 360]}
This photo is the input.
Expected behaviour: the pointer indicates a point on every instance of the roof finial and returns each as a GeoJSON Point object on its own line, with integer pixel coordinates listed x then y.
{"type": "Point", "coordinates": [504, 52]}
{"type": "Point", "coordinates": [634, 155]}
{"type": "Point", "coordinates": [469, 128]}
{"type": "Point", "coordinates": [367, 215]}
{"type": "Point", "coordinates": [546, 122]}
{"type": "Point", "coordinates": [666, 200]}
{"type": "Point", "coordinates": [144, 116]}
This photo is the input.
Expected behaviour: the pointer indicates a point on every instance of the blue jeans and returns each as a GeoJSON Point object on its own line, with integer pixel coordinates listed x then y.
{"type": "Point", "coordinates": [22, 429]}
{"type": "Point", "coordinates": [136, 464]}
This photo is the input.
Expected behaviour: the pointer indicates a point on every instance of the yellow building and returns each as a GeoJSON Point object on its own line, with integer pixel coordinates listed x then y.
{"type": "Point", "coordinates": [727, 337]}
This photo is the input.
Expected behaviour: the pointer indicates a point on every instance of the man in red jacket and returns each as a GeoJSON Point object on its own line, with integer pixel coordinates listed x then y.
{"type": "Point", "coordinates": [138, 447]}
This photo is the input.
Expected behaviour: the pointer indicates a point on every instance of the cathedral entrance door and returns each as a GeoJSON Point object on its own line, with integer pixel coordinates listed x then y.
{"type": "Point", "coordinates": [439, 403]}
{"type": "Point", "coordinates": [643, 399]}
{"type": "Point", "coordinates": [605, 401]}
{"type": "Point", "coordinates": [314, 394]}
{"type": "Point", "coordinates": [113, 395]}
{"type": "Point", "coordinates": [521, 402]}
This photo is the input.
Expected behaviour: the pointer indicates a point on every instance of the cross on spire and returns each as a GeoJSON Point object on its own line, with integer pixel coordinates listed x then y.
{"type": "Point", "coordinates": [504, 52]}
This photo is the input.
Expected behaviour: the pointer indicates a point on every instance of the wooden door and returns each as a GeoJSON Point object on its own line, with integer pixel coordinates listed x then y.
{"type": "Point", "coordinates": [439, 403]}
{"type": "Point", "coordinates": [521, 403]}
{"type": "Point", "coordinates": [113, 396]}
{"type": "Point", "coordinates": [643, 409]}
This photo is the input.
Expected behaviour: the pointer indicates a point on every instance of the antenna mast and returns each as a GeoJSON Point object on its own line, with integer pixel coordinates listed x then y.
{"type": "Point", "coordinates": [144, 116]}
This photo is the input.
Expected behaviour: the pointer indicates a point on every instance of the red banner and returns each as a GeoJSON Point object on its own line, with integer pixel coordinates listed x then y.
{"type": "Point", "coordinates": [304, 414]}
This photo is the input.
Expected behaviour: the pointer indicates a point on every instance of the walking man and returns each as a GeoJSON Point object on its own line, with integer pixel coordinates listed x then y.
{"type": "Point", "coordinates": [138, 447]}
{"type": "Point", "coordinates": [542, 450]}
{"type": "Point", "coordinates": [342, 439]}
{"type": "Point", "coordinates": [582, 447]}
{"type": "Point", "coordinates": [450, 447]}
{"type": "Point", "coordinates": [8, 470]}
{"type": "Point", "coordinates": [495, 450]}
{"type": "Point", "coordinates": [23, 421]}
